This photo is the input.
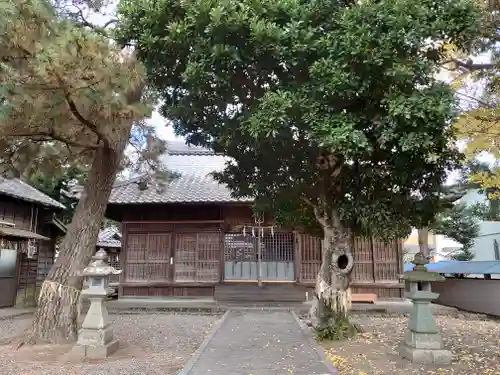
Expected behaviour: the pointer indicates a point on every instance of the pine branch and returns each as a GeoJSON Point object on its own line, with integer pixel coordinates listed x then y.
{"type": "Point", "coordinates": [72, 106]}
{"type": "Point", "coordinates": [89, 124]}
{"type": "Point", "coordinates": [81, 20]}
{"type": "Point", "coordinates": [52, 136]}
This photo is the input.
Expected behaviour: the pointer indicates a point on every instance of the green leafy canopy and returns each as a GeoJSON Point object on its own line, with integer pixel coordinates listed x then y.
{"type": "Point", "coordinates": [329, 104]}
{"type": "Point", "coordinates": [460, 223]}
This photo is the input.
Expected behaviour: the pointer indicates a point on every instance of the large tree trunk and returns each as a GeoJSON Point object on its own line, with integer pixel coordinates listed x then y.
{"type": "Point", "coordinates": [333, 297]}
{"type": "Point", "coordinates": [56, 316]}
{"type": "Point", "coordinates": [423, 241]}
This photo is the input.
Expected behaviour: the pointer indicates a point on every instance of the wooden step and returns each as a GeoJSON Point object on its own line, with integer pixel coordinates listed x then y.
{"type": "Point", "coordinates": [250, 293]}
{"type": "Point", "coordinates": [364, 298]}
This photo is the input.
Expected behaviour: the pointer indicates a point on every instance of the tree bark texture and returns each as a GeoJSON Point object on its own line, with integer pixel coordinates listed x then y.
{"type": "Point", "coordinates": [56, 317]}
{"type": "Point", "coordinates": [333, 296]}
{"type": "Point", "coordinates": [423, 241]}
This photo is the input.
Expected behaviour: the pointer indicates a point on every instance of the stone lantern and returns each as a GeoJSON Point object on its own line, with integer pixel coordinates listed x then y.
{"type": "Point", "coordinates": [95, 338]}
{"type": "Point", "coordinates": [422, 341]}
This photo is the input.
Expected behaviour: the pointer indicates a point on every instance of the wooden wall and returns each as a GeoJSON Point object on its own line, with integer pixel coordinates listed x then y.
{"type": "Point", "coordinates": [150, 213]}
{"type": "Point", "coordinates": [376, 265]}
{"type": "Point", "coordinates": [193, 235]}
{"type": "Point", "coordinates": [17, 212]}
{"type": "Point", "coordinates": [31, 272]}
{"type": "Point", "coordinates": [147, 270]}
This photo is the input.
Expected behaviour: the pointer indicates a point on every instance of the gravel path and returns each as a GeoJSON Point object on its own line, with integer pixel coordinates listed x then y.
{"type": "Point", "coordinates": [151, 344]}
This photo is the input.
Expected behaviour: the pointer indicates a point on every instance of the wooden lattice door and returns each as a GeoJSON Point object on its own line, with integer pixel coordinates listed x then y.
{"type": "Point", "coordinates": [197, 257]}
{"type": "Point", "coordinates": [149, 257]}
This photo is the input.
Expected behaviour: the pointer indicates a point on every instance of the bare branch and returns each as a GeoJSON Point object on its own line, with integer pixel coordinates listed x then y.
{"type": "Point", "coordinates": [83, 20]}
{"type": "Point", "coordinates": [468, 65]}
{"type": "Point", "coordinates": [149, 162]}
{"type": "Point", "coordinates": [478, 101]}
{"type": "Point", "coordinates": [85, 23]}
{"type": "Point", "coordinates": [109, 23]}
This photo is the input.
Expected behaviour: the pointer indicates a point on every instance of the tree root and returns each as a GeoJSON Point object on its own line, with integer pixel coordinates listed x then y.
{"type": "Point", "coordinates": [56, 317]}
{"type": "Point", "coordinates": [338, 329]}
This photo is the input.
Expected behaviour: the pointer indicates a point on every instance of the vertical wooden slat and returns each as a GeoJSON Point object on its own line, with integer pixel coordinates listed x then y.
{"type": "Point", "coordinates": [123, 257]}
{"type": "Point", "coordinates": [172, 255]}
{"type": "Point", "coordinates": [297, 257]}
{"type": "Point", "coordinates": [374, 259]}
{"type": "Point", "coordinates": [198, 257]}
{"type": "Point", "coordinates": [310, 257]}
{"type": "Point", "coordinates": [221, 256]}
{"type": "Point", "coordinates": [199, 248]}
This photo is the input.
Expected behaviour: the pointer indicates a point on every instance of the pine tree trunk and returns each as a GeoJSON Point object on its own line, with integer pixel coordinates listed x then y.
{"type": "Point", "coordinates": [56, 317]}
{"type": "Point", "coordinates": [333, 298]}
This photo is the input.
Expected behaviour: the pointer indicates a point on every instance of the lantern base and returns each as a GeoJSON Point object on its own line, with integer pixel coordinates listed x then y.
{"type": "Point", "coordinates": [425, 356]}
{"type": "Point", "coordinates": [95, 351]}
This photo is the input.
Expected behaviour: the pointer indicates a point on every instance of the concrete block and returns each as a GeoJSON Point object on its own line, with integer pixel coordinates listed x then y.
{"type": "Point", "coordinates": [425, 356]}
{"type": "Point", "coordinates": [94, 351]}
{"type": "Point", "coordinates": [102, 351]}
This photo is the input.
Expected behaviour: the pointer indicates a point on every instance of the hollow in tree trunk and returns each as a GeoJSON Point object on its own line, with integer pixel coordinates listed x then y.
{"type": "Point", "coordinates": [333, 299]}
{"type": "Point", "coordinates": [56, 317]}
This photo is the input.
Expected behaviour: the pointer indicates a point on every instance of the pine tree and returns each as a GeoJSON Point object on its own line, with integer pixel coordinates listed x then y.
{"type": "Point", "coordinates": [459, 223]}
{"type": "Point", "coordinates": [68, 96]}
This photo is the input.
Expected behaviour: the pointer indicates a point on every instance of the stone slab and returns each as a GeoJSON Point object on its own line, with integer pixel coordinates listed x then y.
{"type": "Point", "coordinates": [95, 352]}
{"type": "Point", "coordinates": [425, 356]}
{"type": "Point", "coordinates": [259, 343]}
{"type": "Point", "coordinates": [423, 340]}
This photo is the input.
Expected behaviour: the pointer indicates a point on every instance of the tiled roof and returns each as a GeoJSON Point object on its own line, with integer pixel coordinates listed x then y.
{"type": "Point", "coordinates": [18, 189]}
{"type": "Point", "coordinates": [109, 237]}
{"type": "Point", "coordinates": [193, 185]}
{"type": "Point", "coordinates": [180, 148]}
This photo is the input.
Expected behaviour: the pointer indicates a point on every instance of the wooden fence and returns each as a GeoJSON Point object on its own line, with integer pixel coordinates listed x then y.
{"type": "Point", "coordinates": [374, 261]}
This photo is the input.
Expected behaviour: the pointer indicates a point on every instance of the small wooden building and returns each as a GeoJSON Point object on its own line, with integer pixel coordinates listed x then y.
{"type": "Point", "coordinates": [191, 238]}
{"type": "Point", "coordinates": [109, 239]}
{"type": "Point", "coordinates": [28, 233]}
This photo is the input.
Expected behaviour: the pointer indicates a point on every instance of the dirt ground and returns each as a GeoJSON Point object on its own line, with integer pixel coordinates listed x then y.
{"type": "Point", "coordinates": [150, 344]}
{"type": "Point", "coordinates": [474, 341]}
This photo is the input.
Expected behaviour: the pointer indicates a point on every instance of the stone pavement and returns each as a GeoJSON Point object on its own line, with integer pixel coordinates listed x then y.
{"type": "Point", "coordinates": [130, 304]}
{"type": "Point", "coordinates": [258, 343]}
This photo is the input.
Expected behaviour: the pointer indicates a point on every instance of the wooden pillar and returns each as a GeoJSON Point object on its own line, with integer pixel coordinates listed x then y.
{"type": "Point", "coordinates": [297, 258]}
{"type": "Point", "coordinates": [123, 255]}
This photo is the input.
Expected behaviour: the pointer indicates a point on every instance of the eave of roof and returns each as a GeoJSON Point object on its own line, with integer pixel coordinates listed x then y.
{"type": "Point", "coordinates": [18, 189]}
{"type": "Point", "coordinates": [21, 233]}
{"type": "Point", "coordinates": [108, 237]}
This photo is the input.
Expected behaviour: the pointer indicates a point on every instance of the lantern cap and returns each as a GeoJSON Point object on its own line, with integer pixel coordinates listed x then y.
{"type": "Point", "coordinates": [99, 266]}
{"type": "Point", "coordinates": [419, 272]}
